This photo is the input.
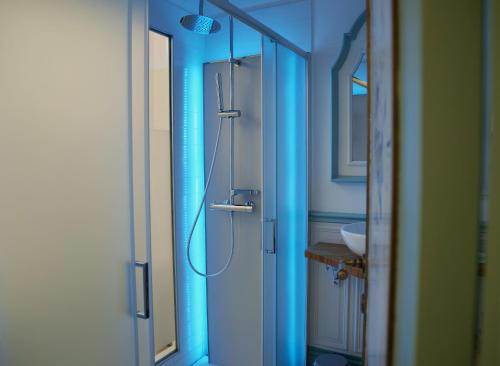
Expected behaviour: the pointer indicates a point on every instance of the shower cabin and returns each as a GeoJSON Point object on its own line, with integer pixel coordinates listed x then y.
{"type": "Point", "coordinates": [220, 275]}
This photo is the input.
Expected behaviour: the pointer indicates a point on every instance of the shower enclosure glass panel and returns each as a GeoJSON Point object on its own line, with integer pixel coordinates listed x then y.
{"type": "Point", "coordinates": [255, 310]}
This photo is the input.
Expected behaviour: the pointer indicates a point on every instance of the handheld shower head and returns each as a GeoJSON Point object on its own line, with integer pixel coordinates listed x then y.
{"type": "Point", "coordinates": [200, 23]}
{"type": "Point", "coordinates": [220, 96]}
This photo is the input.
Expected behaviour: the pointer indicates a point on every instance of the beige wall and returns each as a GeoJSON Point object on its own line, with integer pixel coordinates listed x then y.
{"type": "Point", "coordinates": [65, 239]}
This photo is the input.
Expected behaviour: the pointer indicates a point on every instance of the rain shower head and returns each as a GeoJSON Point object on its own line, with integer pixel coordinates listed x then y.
{"type": "Point", "coordinates": [200, 23]}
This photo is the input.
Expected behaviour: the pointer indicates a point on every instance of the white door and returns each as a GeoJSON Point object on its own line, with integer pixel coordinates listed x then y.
{"type": "Point", "coordinates": [65, 238]}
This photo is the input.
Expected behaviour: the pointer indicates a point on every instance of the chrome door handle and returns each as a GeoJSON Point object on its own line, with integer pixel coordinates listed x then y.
{"type": "Point", "coordinates": [269, 236]}
{"type": "Point", "coordinates": [145, 289]}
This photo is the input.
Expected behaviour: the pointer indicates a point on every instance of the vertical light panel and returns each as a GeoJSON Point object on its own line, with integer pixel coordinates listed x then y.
{"type": "Point", "coordinates": [291, 112]}
{"type": "Point", "coordinates": [192, 170]}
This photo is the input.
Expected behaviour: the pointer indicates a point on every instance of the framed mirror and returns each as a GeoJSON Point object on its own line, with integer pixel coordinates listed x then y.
{"type": "Point", "coordinates": [350, 107]}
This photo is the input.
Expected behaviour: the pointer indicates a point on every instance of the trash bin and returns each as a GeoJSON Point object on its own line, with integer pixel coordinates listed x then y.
{"type": "Point", "coordinates": [330, 360]}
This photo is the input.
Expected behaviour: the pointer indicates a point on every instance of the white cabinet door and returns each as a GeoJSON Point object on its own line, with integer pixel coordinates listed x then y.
{"type": "Point", "coordinates": [328, 309]}
{"type": "Point", "coordinates": [356, 317]}
{"type": "Point", "coordinates": [335, 318]}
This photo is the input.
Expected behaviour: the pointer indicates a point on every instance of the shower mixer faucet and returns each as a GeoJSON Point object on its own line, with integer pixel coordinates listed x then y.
{"type": "Point", "coordinates": [229, 113]}
{"type": "Point", "coordinates": [245, 196]}
{"type": "Point", "coordinates": [244, 192]}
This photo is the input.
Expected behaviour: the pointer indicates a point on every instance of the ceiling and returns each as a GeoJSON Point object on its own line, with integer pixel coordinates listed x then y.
{"type": "Point", "coordinates": [192, 5]}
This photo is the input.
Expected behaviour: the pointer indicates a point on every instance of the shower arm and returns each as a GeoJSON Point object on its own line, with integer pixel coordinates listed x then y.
{"type": "Point", "coordinates": [231, 107]}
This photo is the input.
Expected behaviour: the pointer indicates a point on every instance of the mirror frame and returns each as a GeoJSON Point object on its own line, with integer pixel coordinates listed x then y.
{"type": "Point", "coordinates": [346, 47]}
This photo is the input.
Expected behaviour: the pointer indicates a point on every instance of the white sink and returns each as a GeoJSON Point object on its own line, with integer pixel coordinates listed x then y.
{"type": "Point", "coordinates": [355, 237]}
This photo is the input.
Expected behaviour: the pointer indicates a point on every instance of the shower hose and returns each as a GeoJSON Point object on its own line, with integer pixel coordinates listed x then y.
{"type": "Point", "coordinates": [198, 212]}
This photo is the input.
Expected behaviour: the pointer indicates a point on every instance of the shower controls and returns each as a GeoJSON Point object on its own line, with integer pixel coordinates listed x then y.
{"type": "Point", "coordinates": [243, 196]}
{"type": "Point", "coordinates": [244, 192]}
{"type": "Point", "coordinates": [229, 114]}
{"type": "Point", "coordinates": [246, 208]}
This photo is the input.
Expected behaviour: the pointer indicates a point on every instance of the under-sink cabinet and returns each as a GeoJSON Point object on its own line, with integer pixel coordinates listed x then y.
{"type": "Point", "coordinates": [335, 302]}
{"type": "Point", "coordinates": [335, 317]}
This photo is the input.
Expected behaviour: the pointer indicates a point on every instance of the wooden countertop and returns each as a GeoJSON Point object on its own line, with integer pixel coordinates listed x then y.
{"type": "Point", "coordinates": [334, 255]}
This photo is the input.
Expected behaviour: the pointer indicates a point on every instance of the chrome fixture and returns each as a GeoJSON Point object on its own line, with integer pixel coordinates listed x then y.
{"type": "Point", "coordinates": [245, 192]}
{"type": "Point", "coordinates": [230, 113]}
{"type": "Point", "coordinates": [240, 199]}
{"type": "Point", "coordinates": [246, 208]}
{"type": "Point", "coordinates": [200, 23]}
{"type": "Point", "coordinates": [144, 314]}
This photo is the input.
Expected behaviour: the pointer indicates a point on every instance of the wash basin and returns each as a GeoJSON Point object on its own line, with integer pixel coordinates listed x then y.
{"type": "Point", "coordinates": [354, 236]}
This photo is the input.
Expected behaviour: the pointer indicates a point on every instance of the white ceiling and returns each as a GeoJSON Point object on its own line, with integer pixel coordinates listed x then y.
{"type": "Point", "coordinates": [192, 5]}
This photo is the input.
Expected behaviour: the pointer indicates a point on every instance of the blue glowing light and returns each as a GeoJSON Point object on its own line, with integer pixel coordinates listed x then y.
{"type": "Point", "coordinates": [192, 145]}
{"type": "Point", "coordinates": [292, 208]}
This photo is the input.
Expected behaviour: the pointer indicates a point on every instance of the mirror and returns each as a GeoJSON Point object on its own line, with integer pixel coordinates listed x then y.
{"type": "Point", "coordinates": [161, 198]}
{"type": "Point", "coordinates": [359, 113]}
{"type": "Point", "coordinates": [350, 107]}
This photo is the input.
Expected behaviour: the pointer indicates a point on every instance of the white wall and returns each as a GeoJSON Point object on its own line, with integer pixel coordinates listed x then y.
{"type": "Point", "coordinates": [292, 20]}
{"type": "Point", "coordinates": [65, 237]}
{"type": "Point", "coordinates": [330, 20]}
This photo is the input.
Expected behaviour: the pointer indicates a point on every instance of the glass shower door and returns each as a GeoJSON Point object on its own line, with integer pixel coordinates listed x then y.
{"type": "Point", "coordinates": [285, 204]}
{"type": "Point", "coordinates": [292, 206]}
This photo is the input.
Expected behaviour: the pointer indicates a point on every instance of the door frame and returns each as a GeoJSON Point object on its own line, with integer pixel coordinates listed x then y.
{"type": "Point", "coordinates": [414, 295]}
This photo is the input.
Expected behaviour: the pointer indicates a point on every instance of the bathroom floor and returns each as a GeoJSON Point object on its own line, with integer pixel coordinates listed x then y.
{"type": "Point", "coordinates": [313, 353]}
{"type": "Point", "coordinates": [311, 356]}
{"type": "Point", "coordinates": [204, 362]}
